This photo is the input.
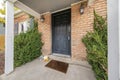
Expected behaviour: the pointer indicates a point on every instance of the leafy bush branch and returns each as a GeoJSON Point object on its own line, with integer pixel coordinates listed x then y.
{"type": "Point", "coordinates": [96, 44]}
{"type": "Point", "coordinates": [27, 46]}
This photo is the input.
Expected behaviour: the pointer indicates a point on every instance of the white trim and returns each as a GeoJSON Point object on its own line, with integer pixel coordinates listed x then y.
{"type": "Point", "coordinates": [17, 12]}
{"type": "Point", "coordinates": [45, 13]}
{"type": "Point", "coordinates": [27, 9]}
{"type": "Point", "coordinates": [91, 2]}
{"type": "Point", "coordinates": [56, 11]}
{"type": "Point", "coordinates": [61, 55]}
{"type": "Point", "coordinates": [9, 38]}
{"type": "Point", "coordinates": [61, 10]}
{"type": "Point", "coordinates": [25, 26]}
{"type": "Point", "coordinates": [119, 38]}
{"type": "Point", "coordinates": [78, 2]}
{"type": "Point", "coordinates": [13, 1]}
{"type": "Point", "coordinates": [113, 39]}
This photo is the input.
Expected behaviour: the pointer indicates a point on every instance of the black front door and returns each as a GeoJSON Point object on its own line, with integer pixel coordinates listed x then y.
{"type": "Point", "coordinates": [61, 32]}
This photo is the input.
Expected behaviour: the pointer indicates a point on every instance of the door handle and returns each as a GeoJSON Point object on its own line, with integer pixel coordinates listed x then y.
{"type": "Point", "coordinates": [68, 37]}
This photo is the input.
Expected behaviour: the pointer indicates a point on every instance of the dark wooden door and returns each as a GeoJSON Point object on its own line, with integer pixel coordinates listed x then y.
{"type": "Point", "coordinates": [61, 32]}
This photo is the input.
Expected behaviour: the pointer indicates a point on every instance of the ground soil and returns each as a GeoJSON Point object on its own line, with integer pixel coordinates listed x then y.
{"type": "Point", "coordinates": [2, 60]}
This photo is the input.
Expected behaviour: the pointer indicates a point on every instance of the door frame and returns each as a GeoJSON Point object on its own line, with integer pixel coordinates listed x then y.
{"type": "Point", "coordinates": [52, 31]}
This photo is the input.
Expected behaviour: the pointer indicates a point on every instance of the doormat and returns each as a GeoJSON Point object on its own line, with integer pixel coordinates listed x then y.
{"type": "Point", "coordinates": [58, 65]}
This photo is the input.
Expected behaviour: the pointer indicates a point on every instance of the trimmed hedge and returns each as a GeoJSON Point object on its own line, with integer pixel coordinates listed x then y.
{"type": "Point", "coordinates": [96, 44]}
{"type": "Point", "coordinates": [27, 46]}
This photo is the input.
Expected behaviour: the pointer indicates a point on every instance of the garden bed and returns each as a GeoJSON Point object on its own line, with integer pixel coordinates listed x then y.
{"type": "Point", "coordinates": [2, 60]}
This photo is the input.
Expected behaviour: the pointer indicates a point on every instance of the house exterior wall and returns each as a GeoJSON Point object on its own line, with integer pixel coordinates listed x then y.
{"type": "Point", "coordinates": [21, 17]}
{"type": "Point", "coordinates": [22, 23]}
{"type": "Point", "coordinates": [45, 29]}
{"type": "Point", "coordinates": [80, 24]}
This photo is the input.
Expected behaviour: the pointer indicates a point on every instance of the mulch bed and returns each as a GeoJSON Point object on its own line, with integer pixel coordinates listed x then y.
{"type": "Point", "coordinates": [58, 65]}
{"type": "Point", "coordinates": [2, 60]}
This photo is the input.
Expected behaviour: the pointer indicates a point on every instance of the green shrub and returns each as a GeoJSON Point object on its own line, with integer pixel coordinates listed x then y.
{"type": "Point", "coordinates": [96, 44]}
{"type": "Point", "coordinates": [27, 46]}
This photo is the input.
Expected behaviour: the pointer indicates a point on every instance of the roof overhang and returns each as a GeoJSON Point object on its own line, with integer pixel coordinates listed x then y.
{"type": "Point", "coordinates": [27, 9]}
{"type": "Point", "coordinates": [38, 7]}
{"type": "Point", "coordinates": [42, 6]}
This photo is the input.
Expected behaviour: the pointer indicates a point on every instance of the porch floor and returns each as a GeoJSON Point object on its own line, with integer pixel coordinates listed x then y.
{"type": "Point", "coordinates": [36, 70]}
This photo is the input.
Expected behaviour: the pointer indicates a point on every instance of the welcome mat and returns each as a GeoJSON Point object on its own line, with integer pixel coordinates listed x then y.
{"type": "Point", "coordinates": [58, 65]}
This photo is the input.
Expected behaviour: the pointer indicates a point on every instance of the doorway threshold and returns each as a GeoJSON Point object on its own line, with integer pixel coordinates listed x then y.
{"type": "Point", "coordinates": [61, 55]}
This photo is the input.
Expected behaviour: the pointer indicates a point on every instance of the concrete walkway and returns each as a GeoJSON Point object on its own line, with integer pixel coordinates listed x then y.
{"type": "Point", "coordinates": [36, 70]}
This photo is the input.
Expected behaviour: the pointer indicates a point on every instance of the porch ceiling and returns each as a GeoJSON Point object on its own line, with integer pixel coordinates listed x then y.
{"type": "Point", "coordinates": [42, 6]}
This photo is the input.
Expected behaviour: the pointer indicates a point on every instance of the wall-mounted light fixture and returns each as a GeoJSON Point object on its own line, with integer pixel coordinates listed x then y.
{"type": "Point", "coordinates": [82, 7]}
{"type": "Point", "coordinates": [42, 19]}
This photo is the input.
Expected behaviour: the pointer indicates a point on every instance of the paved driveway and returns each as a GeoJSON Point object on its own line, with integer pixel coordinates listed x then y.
{"type": "Point", "coordinates": [36, 70]}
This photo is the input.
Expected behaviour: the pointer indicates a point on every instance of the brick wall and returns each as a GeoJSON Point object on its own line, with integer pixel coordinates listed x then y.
{"type": "Point", "coordinates": [21, 17]}
{"type": "Point", "coordinates": [80, 24]}
{"type": "Point", "coordinates": [45, 29]}
{"type": "Point", "coordinates": [83, 23]}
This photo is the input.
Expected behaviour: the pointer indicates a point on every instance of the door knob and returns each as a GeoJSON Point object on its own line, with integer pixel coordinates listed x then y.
{"type": "Point", "coordinates": [68, 37]}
